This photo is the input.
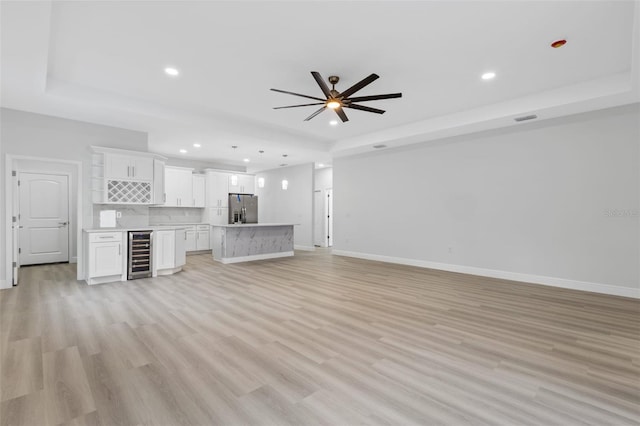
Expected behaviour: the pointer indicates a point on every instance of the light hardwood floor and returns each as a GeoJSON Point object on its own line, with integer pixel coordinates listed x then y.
{"type": "Point", "coordinates": [314, 339]}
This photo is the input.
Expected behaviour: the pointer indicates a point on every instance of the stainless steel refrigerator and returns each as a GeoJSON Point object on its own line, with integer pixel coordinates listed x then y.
{"type": "Point", "coordinates": [243, 208]}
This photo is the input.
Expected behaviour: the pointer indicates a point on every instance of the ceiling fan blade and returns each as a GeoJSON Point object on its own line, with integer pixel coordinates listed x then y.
{"type": "Point", "coordinates": [321, 83]}
{"type": "Point", "coordinates": [315, 113]}
{"type": "Point", "coordinates": [364, 108]}
{"type": "Point", "coordinates": [375, 97]}
{"type": "Point", "coordinates": [295, 106]}
{"type": "Point", "coordinates": [359, 85]}
{"type": "Point", "coordinates": [341, 114]}
{"type": "Point", "coordinates": [298, 94]}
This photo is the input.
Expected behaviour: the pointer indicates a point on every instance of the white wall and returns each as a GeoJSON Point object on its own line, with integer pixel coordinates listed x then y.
{"type": "Point", "coordinates": [35, 135]}
{"type": "Point", "coordinates": [554, 202]}
{"type": "Point", "coordinates": [323, 178]}
{"type": "Point", "coordinates": [295, 205]}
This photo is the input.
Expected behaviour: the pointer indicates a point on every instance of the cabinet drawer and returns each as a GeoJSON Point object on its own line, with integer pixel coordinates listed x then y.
{"type": "Point", "coordinates": [203, 227]}
{"type": "Point", "coordinates": [191, 228]}
{"type": "Point", "coordinates": [105, 236]}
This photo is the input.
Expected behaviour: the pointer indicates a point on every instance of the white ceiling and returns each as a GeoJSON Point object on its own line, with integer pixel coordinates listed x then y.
{"type": "Point", "coordinates": [103, 62]}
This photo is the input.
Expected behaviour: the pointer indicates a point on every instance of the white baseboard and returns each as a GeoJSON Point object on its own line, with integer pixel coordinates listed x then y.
{"type": "Point", "coordinates": [505, 275]}
{"type": "Point", "coordinates": [304, 248]}
{"type": "Point", "coordinates": [4, 284]}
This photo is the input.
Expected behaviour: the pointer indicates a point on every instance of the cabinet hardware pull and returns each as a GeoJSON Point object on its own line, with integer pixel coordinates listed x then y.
{"type": "Point", "coordinates": [133, 170]}
{"type": "Point", "coordinates": [119, 249]}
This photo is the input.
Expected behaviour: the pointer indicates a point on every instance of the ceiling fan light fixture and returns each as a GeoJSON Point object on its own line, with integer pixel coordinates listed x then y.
{"type": "Point", "coordinates": [333, 104]}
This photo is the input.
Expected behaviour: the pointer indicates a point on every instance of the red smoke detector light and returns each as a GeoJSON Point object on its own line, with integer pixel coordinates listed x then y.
{"type": "Point", "coordinates": [558, 43]}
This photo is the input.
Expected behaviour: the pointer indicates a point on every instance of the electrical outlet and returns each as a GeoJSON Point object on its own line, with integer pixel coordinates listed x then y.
{"type": "Point", "coordinates": [118, 215]}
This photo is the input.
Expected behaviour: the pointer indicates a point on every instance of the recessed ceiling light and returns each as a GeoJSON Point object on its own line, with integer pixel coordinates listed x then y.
{"type": "Point", "coordinates": [334, 122]}
{"type": "Point", "coordinates": [285, 155]}
{"type": "Point", "coordinates": [183, 151]}
{"type": "Point", "coordinates": [261, 151]}
{"type": "Point", "coordinates": [171, 71]}
{"type": "Point", "coordinates": [246, 160]}
{"type": "Point", "coordinates": [196, 145]}
{"type": "Point", "coordinates": [488, 75]}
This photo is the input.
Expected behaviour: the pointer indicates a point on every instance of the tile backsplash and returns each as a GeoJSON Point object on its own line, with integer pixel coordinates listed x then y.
{"type": "Point", "coordinates": [131, 216]}
{"type": "Point", "coordinates": [134, 216]}
{"type": "Point", "coordinates": [170, 215]}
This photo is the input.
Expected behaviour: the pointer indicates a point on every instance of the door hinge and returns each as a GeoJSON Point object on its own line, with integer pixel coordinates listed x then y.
{"type": "Point", "coordinates": [19, 250]}
{"type": "Point", "coordinates": [14, 173]}
{"type": "Point", "coordinates": [15, 264]}
{"type": "Point", "coordinates": [18, 183]}
{"type": "Point", "coordinates": [14, 219]}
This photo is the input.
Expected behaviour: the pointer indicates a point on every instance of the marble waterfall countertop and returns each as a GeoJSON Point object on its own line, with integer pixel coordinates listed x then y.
{"type": "Point", "coordinates": [251, 241]}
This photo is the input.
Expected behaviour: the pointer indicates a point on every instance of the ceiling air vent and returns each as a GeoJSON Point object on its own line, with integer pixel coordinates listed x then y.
{"type": "Point", "coordinates": [526, 117]}
{"type": "Point", "coordinates": [379, 146]}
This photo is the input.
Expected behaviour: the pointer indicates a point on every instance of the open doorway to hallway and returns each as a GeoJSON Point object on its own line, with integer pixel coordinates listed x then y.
{"type": "Point", "coordinates": [323, 207]}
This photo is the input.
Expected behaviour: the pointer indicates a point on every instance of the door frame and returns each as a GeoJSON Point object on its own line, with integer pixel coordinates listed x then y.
{"type": "Point", "coordinates": [69, 206]}
{"type": "Point", "coordinates": [9, 204]}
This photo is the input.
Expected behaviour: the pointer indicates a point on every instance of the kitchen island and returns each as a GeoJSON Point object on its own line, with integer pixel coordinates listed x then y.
{"type": "Point", "coordinates": [251, 241]}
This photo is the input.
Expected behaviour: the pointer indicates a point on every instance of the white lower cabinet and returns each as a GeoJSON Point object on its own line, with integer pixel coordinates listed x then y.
{"type": "Point", "coordinates": [169, 251]}
{"type": "Point", "coordinates": [197, 238]}
{"type": "Point", "coordinates": [202, 237]}
{"type": "Point", "coordinates": [190, 240]}
{"type": "Point", "coordinates": [104, 257]}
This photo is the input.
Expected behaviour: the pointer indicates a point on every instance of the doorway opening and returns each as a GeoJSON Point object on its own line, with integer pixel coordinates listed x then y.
{"type": "Point", "coordinates": [323, 207]}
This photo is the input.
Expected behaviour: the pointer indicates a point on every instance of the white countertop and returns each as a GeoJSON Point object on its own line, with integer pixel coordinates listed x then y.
{"type": "Point", "coordinates": [252, 225]}
{"type": "Point", "coordinates": [136, 228]}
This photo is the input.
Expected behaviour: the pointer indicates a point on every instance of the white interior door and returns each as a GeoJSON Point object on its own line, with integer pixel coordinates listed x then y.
{"type": "Point", "coordinates": [14, 228]}
{"type": "Point", "coordinates": [44, 218]}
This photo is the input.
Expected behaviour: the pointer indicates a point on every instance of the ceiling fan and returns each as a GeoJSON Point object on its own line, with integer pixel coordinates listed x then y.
{"type": "Point", "coordinates": [338, 100]}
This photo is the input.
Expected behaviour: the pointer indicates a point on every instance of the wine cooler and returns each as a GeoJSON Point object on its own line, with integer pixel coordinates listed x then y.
{"type": "Point", "coordinates": [140, 254]}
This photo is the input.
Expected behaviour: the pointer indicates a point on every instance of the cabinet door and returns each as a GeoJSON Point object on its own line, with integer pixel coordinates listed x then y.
{"type": "Point", "coordinates": [190, 240]}
{"type": "Point", "coordinates": [164, 249]}
{"type": "Point", "coordinates": [117, 166]}
{"type": "Point", "coordinates": [199, 194]}
{"type": "Point", "coordinates": [105, 259]}
{"type": "Point", "coordinates": [180, 252]}
{"type": "Point", "coordinates": [218, 216]}
{"type": "Point", "coordinates": [247, 184]}
{"type": "Point", "coordinates": [142, 168]}
{"type": "Point", "coordinates": [222, 190]}
{"type": "Point", "coordinates": [184, 184]}
{"type": "Point", "coordinates": [202, 240]}
{"type": "Point", "coordinates": [234, 184]}
{"type": "Point", "coordinates": [171, 187]}
{"type": "Point", "coordinates": [158, 182]}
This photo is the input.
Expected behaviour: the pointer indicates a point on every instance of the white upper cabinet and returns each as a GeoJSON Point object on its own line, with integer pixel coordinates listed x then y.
{"type": "Point", "coordinates": [128, 167]}
{"type": "Point", "coordinates": [125, 177]}
{"type": "Point", "coordinates": [178, 187]}
{"type": "Point", "coordinates": [199, 194]}
{"type": "Point", "coordinates": [158, 182]}
{"type": "Point", "coordinates": [242, 184]}
{"type": "Point", "coordinates": [218, 189]}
